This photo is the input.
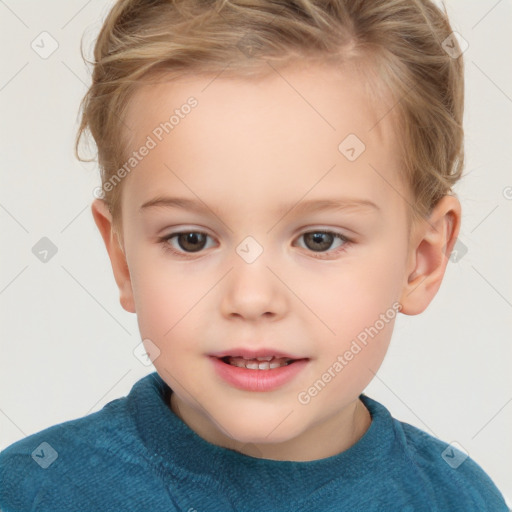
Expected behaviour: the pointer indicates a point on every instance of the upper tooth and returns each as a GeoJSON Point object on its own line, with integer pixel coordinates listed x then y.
{"type": "Point", "coordinates": [266, 358]}
{"type": "Point", "coordinates": [256, 364]}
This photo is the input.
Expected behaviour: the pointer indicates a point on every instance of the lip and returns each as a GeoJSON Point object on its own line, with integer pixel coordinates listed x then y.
{"type": "Point", "coordinates": [258, 380]}
{"type": "Point", "coordinates": [248, 353]}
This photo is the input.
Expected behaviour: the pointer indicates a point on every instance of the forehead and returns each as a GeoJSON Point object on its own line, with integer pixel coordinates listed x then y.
{"type": "Point", "coordinates": [297, 130]}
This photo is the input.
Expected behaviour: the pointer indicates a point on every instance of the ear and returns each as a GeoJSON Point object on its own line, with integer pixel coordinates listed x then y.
{"type": "Point", "coordinates": [430, 247]}
{"type": "Point", "coordinates": [103, 219]}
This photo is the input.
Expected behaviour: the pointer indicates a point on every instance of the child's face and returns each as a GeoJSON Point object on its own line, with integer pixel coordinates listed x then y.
{"type": "Point", "coordinates": [247, 153]}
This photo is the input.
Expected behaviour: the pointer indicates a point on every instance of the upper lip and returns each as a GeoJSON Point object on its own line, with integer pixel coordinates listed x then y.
{"type": "Point", "coordinates": [248, 353]}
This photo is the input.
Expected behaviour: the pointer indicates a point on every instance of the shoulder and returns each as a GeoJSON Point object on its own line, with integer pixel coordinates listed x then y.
{"type": "Point", "coordinates": [410, 464]}
{"type": "Point", "coordinates": [448, 472]}
{"type": "Point", "coordinates": [64, 460]}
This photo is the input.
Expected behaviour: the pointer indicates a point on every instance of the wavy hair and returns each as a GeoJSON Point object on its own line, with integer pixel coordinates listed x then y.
{"type": "Point", "coordinates": [401, 44]}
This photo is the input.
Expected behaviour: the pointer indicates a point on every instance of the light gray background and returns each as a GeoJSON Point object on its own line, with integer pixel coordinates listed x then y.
{"type": "Point", "coordinates": [67, 345]}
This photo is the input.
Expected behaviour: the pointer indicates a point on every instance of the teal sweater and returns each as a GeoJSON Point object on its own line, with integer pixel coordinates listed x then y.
{"type": "Point", "coordinates": [136, 454]}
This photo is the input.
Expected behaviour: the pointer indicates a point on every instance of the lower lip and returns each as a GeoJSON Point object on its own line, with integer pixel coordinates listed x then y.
{"type": "Point", "coordinates": [257, 380]}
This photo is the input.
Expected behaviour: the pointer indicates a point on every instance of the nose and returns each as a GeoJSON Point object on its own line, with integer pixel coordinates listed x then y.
{"type": "Point", "coordinates": [252, 290]}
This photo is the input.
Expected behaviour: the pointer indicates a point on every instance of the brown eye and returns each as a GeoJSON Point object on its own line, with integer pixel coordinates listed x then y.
{"type": "Point", "coordinates": [192, 241]}
{"type": "Point", "coordinates": [318, 240]}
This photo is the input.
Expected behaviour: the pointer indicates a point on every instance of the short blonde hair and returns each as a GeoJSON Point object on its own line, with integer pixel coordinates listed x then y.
{"type": "Point", "coordinates": [399, 43]}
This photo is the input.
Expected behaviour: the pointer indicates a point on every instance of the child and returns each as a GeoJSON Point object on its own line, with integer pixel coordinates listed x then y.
{"type": "Point", "coordinates": [255, 131]}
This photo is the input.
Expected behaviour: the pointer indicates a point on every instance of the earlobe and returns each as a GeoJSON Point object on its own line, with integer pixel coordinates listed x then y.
{"type": "Point", "coordinates": [430, 249]}
{"type": "Point", "coordinates": [103, 219]}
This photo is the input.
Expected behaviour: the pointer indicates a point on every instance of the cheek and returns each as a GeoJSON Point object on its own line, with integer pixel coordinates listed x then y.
{"type": "Point", "coordinates": [170, 305]}
{"type": "Point", "coordinates": [160, 295]}
{"type": "Point", "coordinates": [358, 294]}
{"type": "Point", "coordinates": [363, 323]}
{"type": "Point", "coordinates": [360, 304]}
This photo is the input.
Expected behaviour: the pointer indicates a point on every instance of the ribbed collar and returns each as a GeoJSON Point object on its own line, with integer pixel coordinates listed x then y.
{"type": "Point", "coordinates": [169, 440]}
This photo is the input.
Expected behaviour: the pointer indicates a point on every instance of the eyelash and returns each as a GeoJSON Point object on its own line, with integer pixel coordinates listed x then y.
{"type": "Point", "coordinates": [319, 255]}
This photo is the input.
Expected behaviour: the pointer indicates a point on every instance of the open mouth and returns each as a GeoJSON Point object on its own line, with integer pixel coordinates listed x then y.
{"type": "Point", "coordinates": [263, 373]}
{"type": "Point", "coordinates": [258, 363]}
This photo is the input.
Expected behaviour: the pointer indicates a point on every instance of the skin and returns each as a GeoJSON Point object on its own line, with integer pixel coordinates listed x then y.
{"type": "Point", "coordinates": [249, 148]}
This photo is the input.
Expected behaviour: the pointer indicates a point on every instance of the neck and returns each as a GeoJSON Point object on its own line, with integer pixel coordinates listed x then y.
{"type": "Point", "coordinates": [327, 438]}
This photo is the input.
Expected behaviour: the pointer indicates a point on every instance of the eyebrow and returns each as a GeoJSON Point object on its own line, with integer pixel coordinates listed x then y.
{"type": "Point", "coordinates": [311, 206]}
